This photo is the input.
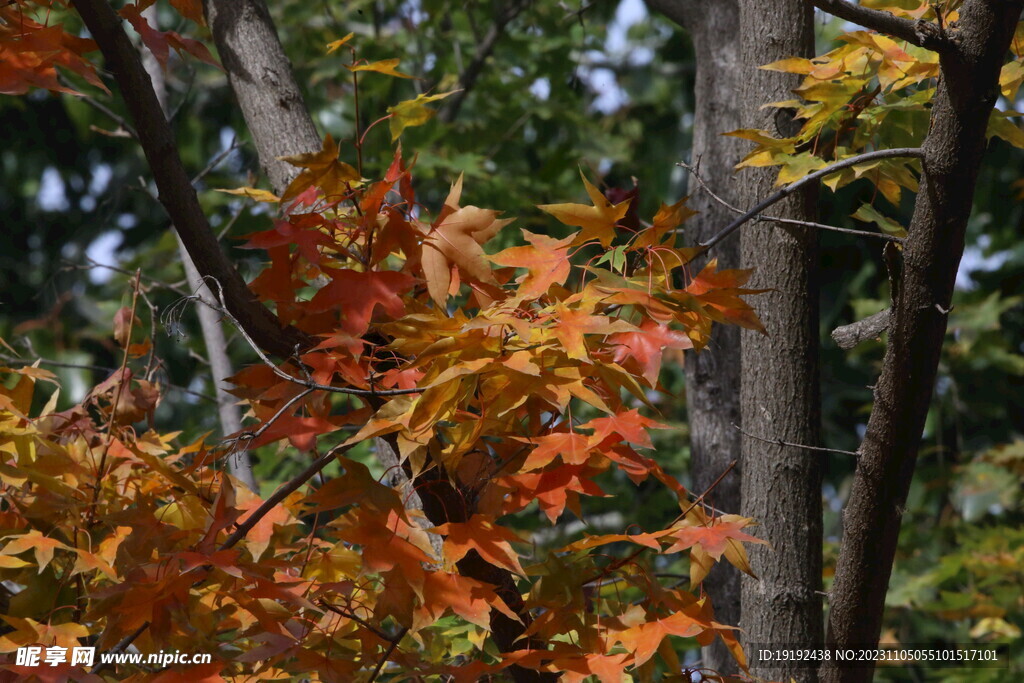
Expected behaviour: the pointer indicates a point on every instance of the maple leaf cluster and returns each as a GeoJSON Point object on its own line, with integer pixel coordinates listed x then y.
{"type": "Point", "coordinates": [502, 378]}
{"type": "Point", "coordinates": [471, 364]}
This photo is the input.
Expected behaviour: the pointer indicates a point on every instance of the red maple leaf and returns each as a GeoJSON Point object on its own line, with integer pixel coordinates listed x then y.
{"type": "Point", "coordinates": [355, 294]}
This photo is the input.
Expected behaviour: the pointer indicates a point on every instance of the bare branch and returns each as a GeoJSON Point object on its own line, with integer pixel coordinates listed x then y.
{"type": "Point", "coordinates": [359, 620]}
{"type": "Point", "coordinates": [909, 152]}
{"type": "Point", "coordinates": [484, 49]}
{"type": "Point", "coordinates": [121, 645]}
{"type": "Point", "coordinates": [848, 336]}
{"type": "Point", "coordinates": [788, 221]}
{"type": "Point", "coordinates": [921, 33]}
{"type": "Point", "coordinates": [780, 442]}
{"type": "Point", "coordinates": [252, 436]}
{"type": "Point", "coordinates": [387, 653]}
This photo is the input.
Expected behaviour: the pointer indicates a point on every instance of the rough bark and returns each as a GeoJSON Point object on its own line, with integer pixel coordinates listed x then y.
{"type": "Point", "coordinates": [781, 485]}
{"type": "Point", "coordinates": [953, 150]}
{"type": "Point", "coordinates": [713, 376]}
{"type": "Point", "coordinates": [261, 76]}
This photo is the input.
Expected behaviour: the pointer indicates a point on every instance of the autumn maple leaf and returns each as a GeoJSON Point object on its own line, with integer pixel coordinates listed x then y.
{"type": "Point", "coordinates": [720, 536]}
{"type": "Point", "coordinates": [355, 294]}
{"type": "Point", "coordinates": [647, 346]}
{"type": "Point", "coordinates": [322, 170]}
{"type": "Point", "coordinates": [597, 221]}
{"type": "Point", "coordinates": [574, 449]}
{"type": "Point", "coordinates": [480, 533]}
{"type": "Point", "coordinates": [545, 259]}
{"type": "Point", "coordinates": [570, 325]}
{"type": "Point", "coordinates": [629, 425]}
{"type": "Point", "coordinates": [456, 239]}
{"type": "Point", "coordinates": [668, 218]}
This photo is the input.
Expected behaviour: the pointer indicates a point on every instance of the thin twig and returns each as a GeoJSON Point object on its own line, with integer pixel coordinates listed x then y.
{"type": "Point", "coordinates": [387, 653]}
{"type": "Point", "coordinates": [252, 436]}
{"type": "Point", "coordinates": [775, 219]}
{"type": "Point", "coordinates": [215, 161]}
{"type": "Point", "coordinates": [122, 380]}
{"type": "Point", "coordinates": [282, 492]}
{"type": "Point", "coordinates": [780, 442]}
{"type": "Point", "coordinates": [103, 109]}
{"type": "Point", "coordinates": [908, 152]}
{"type": "Point", "coordinates": [359, 620]}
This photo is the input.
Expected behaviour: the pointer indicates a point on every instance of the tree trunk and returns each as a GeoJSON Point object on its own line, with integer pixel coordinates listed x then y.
{"type": "Point", "coordinates": [953, 150]}
{"type": "Point", "coordinates": [781, 486]}
{"type": "Point", "coordinates": [713, 375]}
{"type": "Point", "coordinates": [261, 76]}
{"type": "Point", "coordinates": [239, 462]}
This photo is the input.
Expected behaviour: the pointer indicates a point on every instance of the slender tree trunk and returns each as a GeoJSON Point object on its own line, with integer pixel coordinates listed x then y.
{"type": "Point", "coordinates": [781, 486]}
{"type": "Point", "coordinates": [239, 463]}
{"type": "Point", "coordinates": [953, 150]}
{"type": "Point", "coordinates": [713, 375]}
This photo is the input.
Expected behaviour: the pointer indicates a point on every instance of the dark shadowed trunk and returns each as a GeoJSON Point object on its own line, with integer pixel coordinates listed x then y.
{"type": "Point", "coordinates": [953, 150]}
{"type": "Point", "coordinates": [713, 376]}
{"type": "Point", "coordinates": [781, 487]}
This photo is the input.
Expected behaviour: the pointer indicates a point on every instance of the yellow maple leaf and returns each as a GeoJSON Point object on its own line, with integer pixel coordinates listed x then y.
{"type": "Point", "coordinates": [322, 169]}
{"type": "Point", "coordinates": [597, 221]}
{"type": "Point", "coordinates": [413, 112]}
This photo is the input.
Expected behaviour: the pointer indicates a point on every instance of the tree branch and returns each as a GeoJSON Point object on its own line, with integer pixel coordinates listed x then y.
{"type": "Point", "coordinates": [282, 492]}
{"type": "Point", "coordinates": [848, 336]}
{"type": "Point", "coordinates": [921, 33]}
{"type": "Point", "coordinates": [789, 221]}
{"type": "Point", "coordinates": [484, 49]}
{"type": "Point", "coordinates": [173, 184]}
{"type": "Point", "coordinates": [780, 442]}
{"type": "Point", "coordinates": [911, 152]}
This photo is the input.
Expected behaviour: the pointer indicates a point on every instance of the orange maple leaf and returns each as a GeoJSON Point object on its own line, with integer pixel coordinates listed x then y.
{"type": "Point", "coordinates": [572, 324]}
{"type": "Point", "coordinates": [456, 240]}
{"type": "Point", "coordinates": [356, 294]}
{"type": "Point", "coordinates": [572, 446]}
{"type": "Point", "coordinates": [480, 533]}
{"type": "Point", "coordinates": [322, 170]}
{"type": "Point", "coordinates": [545, 259]}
